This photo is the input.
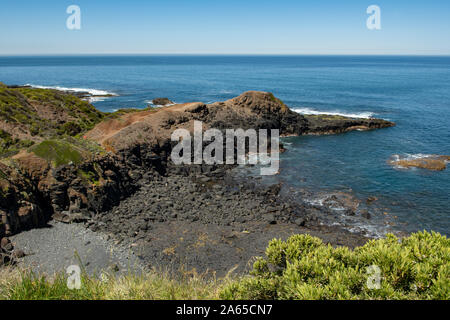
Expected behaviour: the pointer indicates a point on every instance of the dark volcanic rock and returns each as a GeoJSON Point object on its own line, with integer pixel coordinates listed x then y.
{"type": "Point", "coordinates": [9, 254]}
{"type": "Point", "coordinates": [181, 221]}
{"type": "Point", "coordinates": [332, 124]}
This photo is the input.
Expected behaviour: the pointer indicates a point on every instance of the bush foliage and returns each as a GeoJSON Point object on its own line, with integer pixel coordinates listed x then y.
{"type": "Point", "coordinates": [303, 267]}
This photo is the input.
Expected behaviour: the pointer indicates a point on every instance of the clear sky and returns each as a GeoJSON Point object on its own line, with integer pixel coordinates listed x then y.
{"type": "Point", "coordinates": [225, 27]}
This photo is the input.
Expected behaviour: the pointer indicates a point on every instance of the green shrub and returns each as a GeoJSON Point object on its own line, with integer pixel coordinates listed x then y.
{"type": "Point", "coordinates": [416, 267]}
{"type": "Point", "coordinates": [70, 128]}
{"type": "Point", "coordinates": [90, 176]}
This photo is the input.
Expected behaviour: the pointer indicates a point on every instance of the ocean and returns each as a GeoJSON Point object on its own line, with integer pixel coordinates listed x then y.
{"type": "Point", "coordinates": [412, 91]}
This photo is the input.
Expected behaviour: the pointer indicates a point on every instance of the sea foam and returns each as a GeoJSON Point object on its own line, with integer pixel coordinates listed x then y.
{"type": "Point", "coordinates": [363, 115]}
{"type": "Point", "coordinates": [93, 92]}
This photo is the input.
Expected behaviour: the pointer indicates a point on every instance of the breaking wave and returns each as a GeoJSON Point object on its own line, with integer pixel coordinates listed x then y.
{"type": "Point", "coordinates": [364, 115]}
{"type": "Point", "coordinates": [93, 92]}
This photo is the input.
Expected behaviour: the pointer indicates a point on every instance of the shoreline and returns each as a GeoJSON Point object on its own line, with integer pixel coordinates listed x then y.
{"type": "Point", "coordinates": [118, 178]}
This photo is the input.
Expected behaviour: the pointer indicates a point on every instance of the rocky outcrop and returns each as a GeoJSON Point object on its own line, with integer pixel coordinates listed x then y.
{"type": "Point", "coordinates": [8, 254]}
{"type": "Point", "coordinates": [429, 162]}
{"type": "Point", "coordinates": [331, 124]}
{"type": "Point", "coordinates": [74, 179]}
{"type": "Point", "coordinates": [162, 101]}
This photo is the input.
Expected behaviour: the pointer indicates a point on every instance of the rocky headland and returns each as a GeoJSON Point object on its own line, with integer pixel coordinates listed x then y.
{"type": "Point", "coordinates": [64, 160]}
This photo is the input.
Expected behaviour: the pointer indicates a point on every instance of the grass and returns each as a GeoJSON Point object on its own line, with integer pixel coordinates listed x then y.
{"type": "Point", "coordinates": [58, 152]}
{"type": "Point", "coordinates": [67, 150]}
{"type": "Point", "coordinates": [416, 267]}
{"type": "Point", "coordinates": [24, 285]}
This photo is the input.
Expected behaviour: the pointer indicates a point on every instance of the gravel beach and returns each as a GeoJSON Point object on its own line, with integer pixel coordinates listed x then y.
{"type": "Point", "coordinates": [55, 247]}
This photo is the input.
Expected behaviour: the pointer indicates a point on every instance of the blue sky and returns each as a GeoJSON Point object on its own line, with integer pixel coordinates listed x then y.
{"type": "Point", "coordinates": [225, 27]}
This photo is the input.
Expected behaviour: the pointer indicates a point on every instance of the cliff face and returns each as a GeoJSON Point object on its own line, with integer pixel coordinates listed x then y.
{"type": "Point", "coordinates": [81, 161]}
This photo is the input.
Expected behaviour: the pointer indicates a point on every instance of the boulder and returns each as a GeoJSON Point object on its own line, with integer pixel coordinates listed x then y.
{"type": "Point", "coordinates": [162, 101]}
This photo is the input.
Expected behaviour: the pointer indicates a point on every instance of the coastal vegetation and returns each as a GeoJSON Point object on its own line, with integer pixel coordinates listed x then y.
{"type": "Point", "coordinates": [29, 116]}
{"type": "Point", "coordinates": [302, 267]}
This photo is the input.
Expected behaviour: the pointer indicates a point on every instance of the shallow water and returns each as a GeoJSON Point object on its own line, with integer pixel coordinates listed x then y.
{"type": "Point", "coordinates": [412, 91]}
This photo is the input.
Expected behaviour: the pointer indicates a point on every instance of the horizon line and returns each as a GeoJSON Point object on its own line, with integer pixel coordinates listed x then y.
{"type": "Point", "coordinates": [223, 54]}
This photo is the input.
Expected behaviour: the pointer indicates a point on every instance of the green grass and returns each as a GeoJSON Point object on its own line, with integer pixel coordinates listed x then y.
{"type": "Point", "coordinates": [16, 285]}
{"type": "Point", "coordinates": [58, 152]}
{"type": "Point", "coordinates": [416, 267]}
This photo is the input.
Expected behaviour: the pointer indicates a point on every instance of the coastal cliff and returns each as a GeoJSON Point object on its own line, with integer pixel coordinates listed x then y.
{"type": "Point", "coordinates": [62, 158]}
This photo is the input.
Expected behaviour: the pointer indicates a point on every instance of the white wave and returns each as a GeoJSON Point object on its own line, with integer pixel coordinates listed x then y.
{"type": "Point", "coordinates": [363, 115]}
{"type": "Point", "coordinates": [96, 99]}
{"type": "Point", "coordinates": [92, 92]}
{"type": "Point", "coordinates": [316, 202]}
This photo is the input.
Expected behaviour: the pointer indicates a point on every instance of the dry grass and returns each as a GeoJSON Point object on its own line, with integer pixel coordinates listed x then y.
{"type": "Point", "coordinates": [17, 284]}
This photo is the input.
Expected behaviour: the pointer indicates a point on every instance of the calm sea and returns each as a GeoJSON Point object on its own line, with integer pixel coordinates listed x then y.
{"type": "Point", "coordinates": [412, 91]}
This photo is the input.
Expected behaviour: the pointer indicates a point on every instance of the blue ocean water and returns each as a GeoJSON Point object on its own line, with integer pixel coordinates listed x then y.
{"type": "Point", "coordinates": [412, 91]}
